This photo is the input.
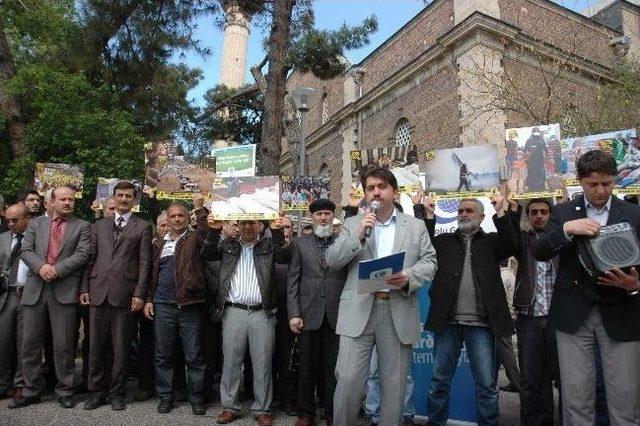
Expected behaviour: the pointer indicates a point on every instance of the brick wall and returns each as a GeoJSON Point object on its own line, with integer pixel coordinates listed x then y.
{"type": "Point", "coordinates": [529, 80]}
{"type": "Point", "coordinates": [334, 90]}
{"type": "Point", "coordinates": [548, 22]}
{"type": "Point", "coordinates": [414, 39]}
{"type": "Point", "coordinates": [431, 109]}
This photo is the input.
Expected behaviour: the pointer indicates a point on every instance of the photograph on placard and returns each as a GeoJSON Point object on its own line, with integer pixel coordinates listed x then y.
{"type": "Point", "coordinates": [462, 172]}
{"type": "Point", "coordinates": [174, 174]}
{"type": "Point", "coordinates": [622, 144]}
{"type": "Point", "coordinates": [235, 161]}
{"type": "Point", "coordinates": [52, 175]}
{"type": "Point", "coordinates": [533, 160]}
{"type": "Point", "coordinates": [296, 193]}
{"type": "Point", "coordinates": [246, 198]}
{"type": "Point", "coordinates": [105, 186]}
{"type": "Point", "coordinates": [402, 160]}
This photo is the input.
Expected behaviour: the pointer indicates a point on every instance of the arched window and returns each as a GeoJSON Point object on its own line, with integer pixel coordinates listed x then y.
{"type": "Point", "coordinates": [324, 171]}
{"type": "Point", "coordinates": [403, 132]}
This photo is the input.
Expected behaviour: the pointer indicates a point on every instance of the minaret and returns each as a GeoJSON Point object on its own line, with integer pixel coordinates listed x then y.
{"type": "Point", "coordinates": [234, 48]}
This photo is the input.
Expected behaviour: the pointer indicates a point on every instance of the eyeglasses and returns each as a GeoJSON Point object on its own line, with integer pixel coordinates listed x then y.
{"type": "Point", "coordinates": [467, 210]}
{"type": "Point", "coordinates": [543, 212]}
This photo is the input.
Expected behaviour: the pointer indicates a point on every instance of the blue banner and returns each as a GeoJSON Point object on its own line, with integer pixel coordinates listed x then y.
{"type": "Point", "coordinates": [462, 405]}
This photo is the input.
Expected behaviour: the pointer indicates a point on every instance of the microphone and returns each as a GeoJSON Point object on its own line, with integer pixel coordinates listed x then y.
{"type": "Point", "coordinates": [375, 206]}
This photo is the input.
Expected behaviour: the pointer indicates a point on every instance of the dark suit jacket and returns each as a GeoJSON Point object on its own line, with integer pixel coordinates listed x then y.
{"type": "Point", "coordinates": [487, 250]}
{"type": "Point", "coordinates": [570, 306]}
{"type": "Point", "coordinates": [72, 258]}
{"type": "Point", "coordinates": [313, 288]}
{"type": "Point", "coordinates": [120, 270]}
{"type": "Point", "coordinates": [5, 254]}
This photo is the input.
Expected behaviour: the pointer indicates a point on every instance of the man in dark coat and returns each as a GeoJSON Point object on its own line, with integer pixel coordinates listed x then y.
{"type": "Point", "coordinates": [115, 286]}
{"type": "Point", "coordinates": [591, 313]}
{"type": "Point", "coordinates": [469, 305]}
{"type": "Point", "coordinates": [313, 300]}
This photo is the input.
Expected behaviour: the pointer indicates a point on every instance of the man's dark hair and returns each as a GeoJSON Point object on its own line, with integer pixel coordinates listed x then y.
{"type": "Point", "coordinates": [25, 194]}
{"type": "Point", "coordinates": [380, 173]}
{"type": "Point", "coordinates": [596, 161]}
{"type": "Point", "coordinates": [537, 200]}
{"type": "Point", "coordinates": [53, 191]}
{"type": "Point", "coordinates": [307, 227]}
{"type": "Point", "coordinates": [125, 184]}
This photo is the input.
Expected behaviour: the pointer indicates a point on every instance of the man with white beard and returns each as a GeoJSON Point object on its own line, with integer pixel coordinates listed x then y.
{"type": "Point", "coordinates": [313, 298]}
{"type": "Point", "coordinates": [469, 305]}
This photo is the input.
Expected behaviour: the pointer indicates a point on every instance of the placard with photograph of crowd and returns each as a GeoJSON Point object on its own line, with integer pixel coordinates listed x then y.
{"type": "Point", "coordinates": [298, 192]}
{"type": "Point", "coordinates": [52, 175]}
{"type": "Point", "coordinates": [175, 175]}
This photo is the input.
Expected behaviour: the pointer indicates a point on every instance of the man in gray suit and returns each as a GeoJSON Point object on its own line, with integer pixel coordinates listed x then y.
{"type": "Point", "coordinates": [56, 249]}
{"type": "Point", "coordinates": [387, 319]}
{"type": "Point", "coordinates": [115, 286]}
{"type": "Point", "coordinates": [312, 304]}
{"type": "Point", "coordinates": [13, 274]}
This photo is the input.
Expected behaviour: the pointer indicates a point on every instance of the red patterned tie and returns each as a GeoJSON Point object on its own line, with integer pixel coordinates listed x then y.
{"type": "Point", "coordinates": [55, 237]}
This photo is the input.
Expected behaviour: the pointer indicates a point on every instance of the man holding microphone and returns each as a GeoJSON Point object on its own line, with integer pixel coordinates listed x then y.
{"type": "Point", "coordinates": [387, 319]}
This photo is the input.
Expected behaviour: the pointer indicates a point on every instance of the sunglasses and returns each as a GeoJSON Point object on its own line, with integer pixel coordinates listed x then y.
{"type": "Point", "coordinates": [534, 212]}
{"type": "Point", "coordinates": [467, 210]}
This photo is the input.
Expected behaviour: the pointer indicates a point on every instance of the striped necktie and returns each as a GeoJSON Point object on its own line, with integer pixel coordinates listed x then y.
{"type": "Point", "coordinates": [55, 238]}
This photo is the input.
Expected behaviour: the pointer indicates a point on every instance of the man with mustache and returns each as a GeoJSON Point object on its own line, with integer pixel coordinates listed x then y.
{"type": "Point", "coordinates": [56, 248]}
{"type": "Point", "coordinates": [469, 305]}
{"type": "Point", "coordinates": [114, 287]}
{"type": "Point", "coordinates": [386, 319]}
{"type": "Point", "coordinates": [312, 302]}
{"type": "Point", "coordinates": [531, 300]}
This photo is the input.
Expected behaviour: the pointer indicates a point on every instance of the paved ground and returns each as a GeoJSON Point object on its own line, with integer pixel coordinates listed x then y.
{"type": "Point", "coordinates": [144, 413]}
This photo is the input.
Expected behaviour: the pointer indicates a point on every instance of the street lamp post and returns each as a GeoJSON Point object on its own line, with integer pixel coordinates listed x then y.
{"type": "Point", "coordinates": [304, 98]}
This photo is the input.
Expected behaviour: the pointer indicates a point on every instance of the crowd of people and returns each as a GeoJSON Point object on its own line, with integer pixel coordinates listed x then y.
{"type": "Point", "coordinates": [281, 319]}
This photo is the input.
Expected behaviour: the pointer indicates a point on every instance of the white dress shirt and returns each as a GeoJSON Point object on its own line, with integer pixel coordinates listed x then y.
{"type": "Point", "coordinates": [125, 216]}
{"type": "Point", "coordinates": [384, 234]}
{"type": "Point", "coordinates": [599, 215]}
{"type": "Point", "coordinates": [244, 287]}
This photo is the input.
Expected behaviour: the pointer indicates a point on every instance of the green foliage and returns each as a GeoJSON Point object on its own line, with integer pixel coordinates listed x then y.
{"type": "Point", "coordinates": [73, 122]}
{"type": "Point", "coordinates": [39, 30]}
{"type": "Point", "coordinates": [239, 120]}
{"type": "Point", "coordinates": [321, 52]}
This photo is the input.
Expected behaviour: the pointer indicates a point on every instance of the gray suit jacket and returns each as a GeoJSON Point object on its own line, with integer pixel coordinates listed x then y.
{"type": "Point", "coordinates": [121, 269]}
{"type": "Point", "coordinates": [73, 256]}
{"type": "Point", "coordinates": [420, 263]}
{"type": "Point", "coordinates": [5, 253]}
{"type": "Point", "coordinates": [313, 288]}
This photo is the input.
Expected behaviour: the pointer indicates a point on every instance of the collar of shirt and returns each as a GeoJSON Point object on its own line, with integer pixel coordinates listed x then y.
{"type": "Point", "coordinates": [599, 215]}
{"type": "Point", "coordinates": [57, 218]}
{"type": "Point", "coordinates": [248, 245]}
{"type": "Point", "coordinates": [393, 218]}
{"type": "Point", "coordinates": [167, 237]}
{"type": "Point", "coordinates": [125, 216]}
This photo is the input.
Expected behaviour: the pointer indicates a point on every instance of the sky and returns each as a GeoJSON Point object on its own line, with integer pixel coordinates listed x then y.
{"type": "Point", "coordinates": [330, 14]}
